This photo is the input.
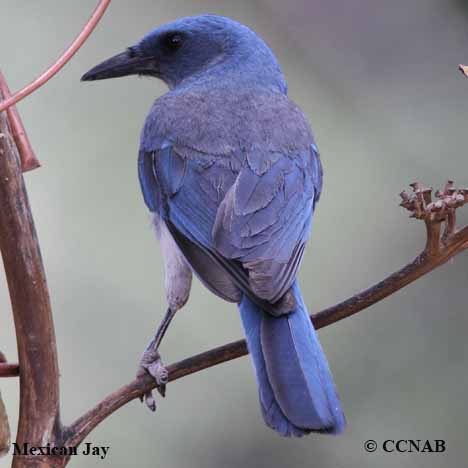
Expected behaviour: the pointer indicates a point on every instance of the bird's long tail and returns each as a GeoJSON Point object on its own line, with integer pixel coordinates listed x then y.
{"type": "Point", "coordinates": [296, 388]}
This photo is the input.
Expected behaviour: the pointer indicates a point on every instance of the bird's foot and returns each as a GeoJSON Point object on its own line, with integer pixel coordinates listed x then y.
{"type": "Point", "coordinates": [436, 213]}
{"type": "Point", "coordinates": [151, 364]}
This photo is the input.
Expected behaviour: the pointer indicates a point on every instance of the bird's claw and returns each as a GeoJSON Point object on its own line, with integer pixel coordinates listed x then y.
{"type": "Point", "coordinates": [434, 212]}
{"type": "Point", "coordinates": [151, 364]}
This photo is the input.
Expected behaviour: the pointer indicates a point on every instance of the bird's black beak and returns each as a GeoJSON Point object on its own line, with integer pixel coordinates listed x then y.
{"type": "Point", "coordinates": [124, 64]}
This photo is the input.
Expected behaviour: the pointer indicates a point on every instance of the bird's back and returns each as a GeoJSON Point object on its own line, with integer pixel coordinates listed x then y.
{"type": "Point", "coordinates": [227, 120]}
{"type": "Point", "coordinates": [239, 173]}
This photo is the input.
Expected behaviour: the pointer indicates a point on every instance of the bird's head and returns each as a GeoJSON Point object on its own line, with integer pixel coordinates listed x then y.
{"type": "Point", "coordinates": [191, 46]}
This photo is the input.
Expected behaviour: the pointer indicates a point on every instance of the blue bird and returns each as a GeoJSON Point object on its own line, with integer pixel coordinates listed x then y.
{"type": "Point", "coordinates": [231, 175]}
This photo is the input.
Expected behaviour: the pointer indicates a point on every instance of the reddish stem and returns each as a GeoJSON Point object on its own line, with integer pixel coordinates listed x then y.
{"type": "Point", "coordinates": [27, 156]}
{"type": "Point", "coordinates": [63, 59]}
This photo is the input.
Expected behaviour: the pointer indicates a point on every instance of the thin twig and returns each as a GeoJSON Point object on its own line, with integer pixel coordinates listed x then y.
{"type": "Point", "coordinates": [421, 265]}
{"type": "Point", "coordinates": [26, 152]}
{"type": "Point", "coordinates": [63, 59]}
{"type": "Point", "coordinates": [9, 370]}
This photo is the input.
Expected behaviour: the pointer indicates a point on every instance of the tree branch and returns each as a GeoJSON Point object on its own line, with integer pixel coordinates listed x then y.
{"type": "Point", "coordinates": [39, 421]}
{"type": "Point", "coordinates": [439, 249]}
{"type": "Point", "coordinates": [62, 60]}
{"type": "Point", "coordinates": [39, 377]}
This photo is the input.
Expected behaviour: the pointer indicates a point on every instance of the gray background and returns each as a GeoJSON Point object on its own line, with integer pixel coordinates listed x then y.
{"type": "Point", "coordinates": [379, 81]}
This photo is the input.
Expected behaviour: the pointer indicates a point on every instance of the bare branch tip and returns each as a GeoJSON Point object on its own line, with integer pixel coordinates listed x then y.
{"type": "Point", "coordinates": [441, 212]}
{"type": "Point", "coordinates": [28, 158]}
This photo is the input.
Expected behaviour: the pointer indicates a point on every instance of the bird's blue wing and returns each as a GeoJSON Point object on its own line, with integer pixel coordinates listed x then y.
{"type": "Point", "coordinates": [264, 220]}
{"type": "Point", "coordinates": [246, 216]}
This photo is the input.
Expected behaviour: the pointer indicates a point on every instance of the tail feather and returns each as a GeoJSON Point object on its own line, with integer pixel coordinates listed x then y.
{"type": "Point", "coordinates": [272, 413]}
{"type": "Point", "coordinates": [296, 389]}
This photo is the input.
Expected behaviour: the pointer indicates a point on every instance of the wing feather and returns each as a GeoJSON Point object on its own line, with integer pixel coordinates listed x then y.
{"type": "Point", "coordinates": [242, 220]}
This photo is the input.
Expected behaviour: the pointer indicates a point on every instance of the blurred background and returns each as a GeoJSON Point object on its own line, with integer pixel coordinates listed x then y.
{"type": "Point", "coordinates": [380, 85]}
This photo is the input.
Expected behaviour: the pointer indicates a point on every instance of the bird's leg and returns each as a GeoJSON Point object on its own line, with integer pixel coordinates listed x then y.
{"type": "Point", "coordinates": [151, 362]}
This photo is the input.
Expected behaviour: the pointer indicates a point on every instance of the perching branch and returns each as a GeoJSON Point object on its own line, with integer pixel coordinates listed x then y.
{"type": "Point", "coordinates": [439, 249]}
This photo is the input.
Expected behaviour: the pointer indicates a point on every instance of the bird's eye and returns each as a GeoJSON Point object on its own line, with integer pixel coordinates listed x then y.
{"type": "Point", "coordinates": [174, 41]}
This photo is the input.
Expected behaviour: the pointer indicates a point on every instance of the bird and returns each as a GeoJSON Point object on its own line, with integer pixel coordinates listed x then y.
{"type": "Point", "coordinates": [231, 175]}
